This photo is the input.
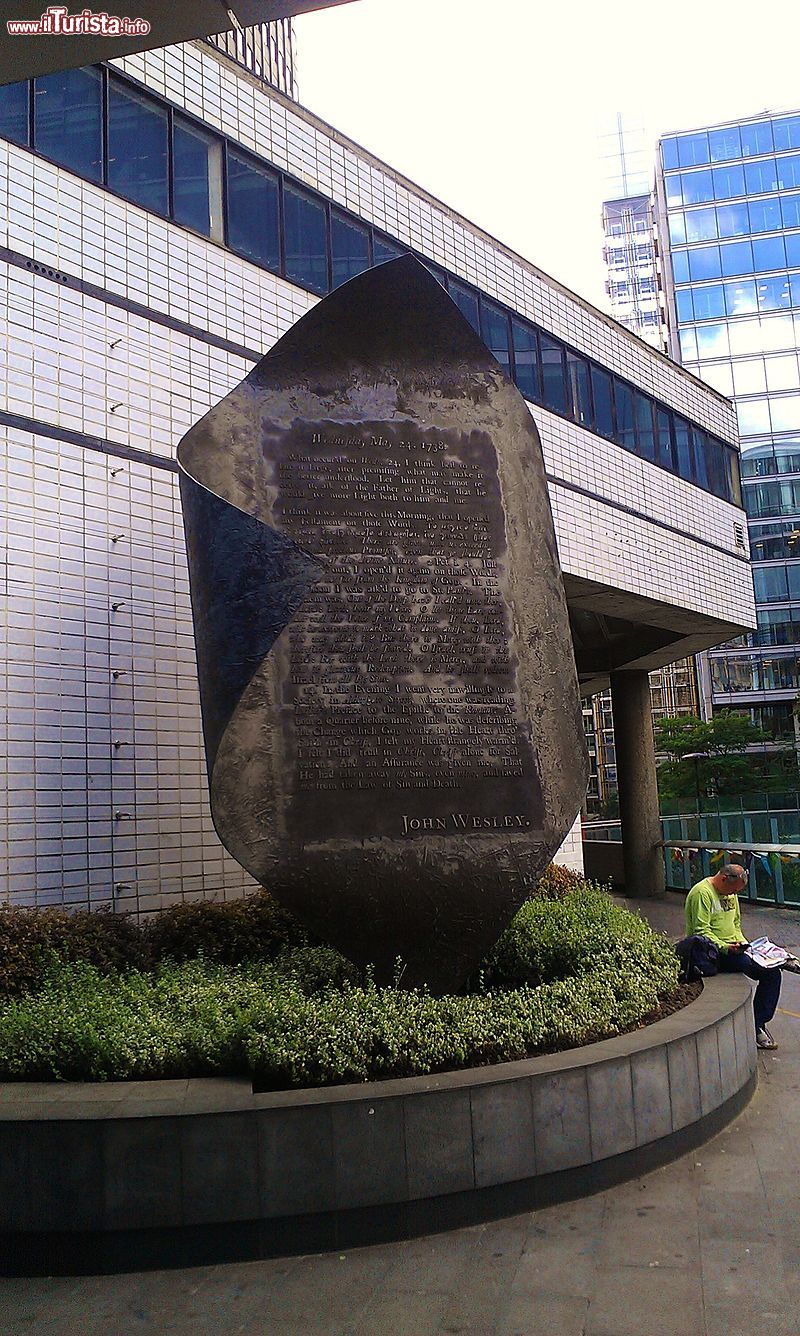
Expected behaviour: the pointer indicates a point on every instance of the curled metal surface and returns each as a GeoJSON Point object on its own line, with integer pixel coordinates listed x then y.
{"type": "Point", "coordinates": [390, 705]}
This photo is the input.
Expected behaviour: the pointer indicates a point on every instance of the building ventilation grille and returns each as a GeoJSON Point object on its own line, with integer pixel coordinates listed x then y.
{"type": "Point", "coordinates": [738, 536]}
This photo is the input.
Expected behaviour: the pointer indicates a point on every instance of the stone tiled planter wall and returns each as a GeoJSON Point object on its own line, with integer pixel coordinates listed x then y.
{"type": "Point", "coordinates": [168, 1172]}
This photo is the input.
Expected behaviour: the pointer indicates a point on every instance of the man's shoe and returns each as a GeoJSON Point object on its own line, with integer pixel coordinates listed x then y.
{"type": "Point", "coordinates": [792, 964]}
{"type": "Point", "coordinates": [764, 1038]}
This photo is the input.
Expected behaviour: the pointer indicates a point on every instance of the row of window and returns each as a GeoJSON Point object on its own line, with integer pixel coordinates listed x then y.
{"type": "Point", "coordinates": [103, 128]}
{"type": "Point", "coordinates": [765, 462]}
{"type": "Point", "coordinates": [760, 255]}
{"type": "Point", "coordinates": [777, 584]}
{"type": "Point", "coordinates": [740, 296]}
{"type": "Point", "coordinates": [754, 334]}
{"type": "Point", "coordinates": [759, 417]}
{"type": "Point", "coordinates": [746, 673]}
{"type": "Point", "coordinates": [772, 498]}
{"type": "Point", "coordinates": [720, 221]}
{"type": "Point", "coordinates": [730, 142]}
{"type": "Point", "coordinates": [719, 183]}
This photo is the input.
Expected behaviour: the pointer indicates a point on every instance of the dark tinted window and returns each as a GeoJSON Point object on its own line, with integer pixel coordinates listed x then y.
{"type": "Point", "coordinates": [603, 403]}
{"type": "Point", "coordinates": [253, 227]}
{"type": "Point", "coordinates": [736, 258]}
{"type": "Point", "coordinates": [526, 360]}
{"type": "Point", "coordinates": [553, 384]}
{"type": "Point", "coordinates": [197, 185]}
{"type": "Point", "coordinates": [494, 331]}
{"type": "Point", "coordinates": [304, 239]}
{"type": "Point", "coordinates": [623, 401]}
{"type": "Point", "coordinates": [579, 389]}
{"type": "Point", "coordinates": [14, 102]}
{"type": "Point", "coordinates": [349, 249]}
{"type": "Point", "coordinates": [683, 448]}
{"type": "Point", "coordinates": [704, 262]}
{"type": "Point", "coordinates": [68, 120]}
{"type": "Point", "coordinates": [138, 153]}
{"type": "Point", "coordinates": [467, 302]}
{"type": "Point", "coordinates": [643, 413]}
{"type": "Point", "coordinates": [383, 250]}
{"type": "Point", "coordinates": [768, 253]}
{"type": "Point", "coordinates": [664, 438]}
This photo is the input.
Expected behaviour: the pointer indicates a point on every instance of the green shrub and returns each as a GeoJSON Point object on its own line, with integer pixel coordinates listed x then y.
{"type": "Point", "coordinates": [254, 928]}
{"type": "Point", "coordinates": [30, 937]}
{"type": "Point", "coordinates": [307, 1018]}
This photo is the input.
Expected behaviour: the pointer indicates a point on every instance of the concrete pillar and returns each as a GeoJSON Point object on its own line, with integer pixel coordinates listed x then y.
{"type": "Point", "coordinates": [636, 780]}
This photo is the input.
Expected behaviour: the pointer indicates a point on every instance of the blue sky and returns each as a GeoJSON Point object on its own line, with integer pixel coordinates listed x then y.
{"type": "Point", "coordinates": [497, 108]}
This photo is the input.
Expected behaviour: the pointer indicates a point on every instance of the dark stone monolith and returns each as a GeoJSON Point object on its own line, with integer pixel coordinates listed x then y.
{"type": "Point", "coordinates": [389, 697]}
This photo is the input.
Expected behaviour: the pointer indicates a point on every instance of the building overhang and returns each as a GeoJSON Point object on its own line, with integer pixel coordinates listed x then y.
{"type": "Point", "coordinates": [614, 630]}
{"type": "Point", "coordinates": [24, 56]}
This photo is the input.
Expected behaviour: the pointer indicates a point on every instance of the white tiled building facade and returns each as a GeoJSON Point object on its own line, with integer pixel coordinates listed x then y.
{"type": "Point", "coordinates": [122, 329]}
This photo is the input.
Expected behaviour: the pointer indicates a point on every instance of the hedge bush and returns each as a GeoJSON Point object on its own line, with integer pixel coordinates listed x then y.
{"type": "Point", "coordinates": [231, 932]}
{"type": "Point", "coordinates": [308, 1018]}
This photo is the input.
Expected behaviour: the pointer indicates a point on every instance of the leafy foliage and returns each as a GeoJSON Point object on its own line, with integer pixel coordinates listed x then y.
{"type": "Point", "coordinates": [566, 972]}
{"type": "Point", "coordinates": [710, 758]}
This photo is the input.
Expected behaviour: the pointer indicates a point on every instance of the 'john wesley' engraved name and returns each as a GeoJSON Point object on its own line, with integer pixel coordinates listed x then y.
{"type": "Point", "coordinates": [464, 821]}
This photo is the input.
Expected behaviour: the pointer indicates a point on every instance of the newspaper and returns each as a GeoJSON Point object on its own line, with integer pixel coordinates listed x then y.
{"type": "Point", "coordinates": [764, 952]}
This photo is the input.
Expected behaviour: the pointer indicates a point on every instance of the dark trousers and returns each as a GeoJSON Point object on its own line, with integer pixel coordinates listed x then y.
{"type": "Point", "coordinates": [768, 983]}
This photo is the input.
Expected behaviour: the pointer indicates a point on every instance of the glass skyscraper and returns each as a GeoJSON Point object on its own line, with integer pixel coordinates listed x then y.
{"type": "Point", "coordinates": [728, 229]}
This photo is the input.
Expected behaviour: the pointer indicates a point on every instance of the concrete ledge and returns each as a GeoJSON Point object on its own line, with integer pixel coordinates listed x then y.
{"type": "Point", "coordinates": [172, 1173]}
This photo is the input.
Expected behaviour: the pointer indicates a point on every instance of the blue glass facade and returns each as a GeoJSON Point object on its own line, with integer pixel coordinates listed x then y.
{"type": "Point", "coordinates": [729, 223]}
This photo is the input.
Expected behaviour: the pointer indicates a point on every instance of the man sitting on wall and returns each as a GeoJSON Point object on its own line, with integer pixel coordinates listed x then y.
{"type": "Point", "coordinates": [712, 911]}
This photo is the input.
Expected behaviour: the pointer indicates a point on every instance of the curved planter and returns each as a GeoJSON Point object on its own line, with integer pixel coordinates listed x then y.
{"type": "Point", "coordinates": [168, 1173]}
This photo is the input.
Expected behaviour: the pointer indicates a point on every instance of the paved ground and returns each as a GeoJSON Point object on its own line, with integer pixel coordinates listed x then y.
{"type": "Point", "coordinates": [709, 1246]}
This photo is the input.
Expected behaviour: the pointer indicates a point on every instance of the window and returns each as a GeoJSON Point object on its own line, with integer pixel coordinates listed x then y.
{"type": "Point", "coordinates": [579, 388]}
{"type": "Point", "coordinates": [782, 373]}
{"type": "Point", "coordinates": [787, 132]}
{"type": "Point", "coordinates": [748, 376]}
{"type": "Point", "coordinates": [733, 220]}
{"type": "Point", "coordinates": [698, 187]}
{"type": "Point", "coordinates": [603, 402]}
{"type": "Point", "coordinates": [736, 258]}
{"type": "Point", "coordinates": [494, 332]}
{"type": "Point", "coordinates": [349, 249]}
{"type": "Point", "coordinates": [672, 183]}
{"type": "Point", "coordinates": [623, 403]}
{"type": "Point", "coordinates": [669, 153]}
{"type": "Point", "coordinates": [790, 210]}
{"type": "Point", "coordinates": [677, 229]}
{"type": "Point", "coordinates": [728, 182]}
{"type": "Point", "coordinates": [14, 107]}
{"type": "Point", "coordinates": [704, 262]}
{"type": "Point", "coordinates": [664, 438]}
{"type": "Point", "coordinates": [683, 303]}
{"type": "Point", "coordinates": [526, 360]}
{"type": "Point", "coordinates": [792, 244]}
{"type": "Point", "coordinates": [761, 177]}
{"type": "Point", "coordinates": [643, 413]}
{"type": "Point", "coordinates": [753, 417]}
{"type": "Point", "coordinates": [467, 302]}
{"type": "Point", "coordinates": [383, 250]}
{"type": "Point", "coordinates": [756, 139]}
{"type": "Point", "coordinates": [692, 150]}
{"type": "Point", "coordinates": [770, 583]}
{"type": "Point", "coordinates": [554, 388]}
{"type": "Point", "coordinates": [197, 182]}
{"type": "Point", "coordinates": [768, 253]}
{"type": "Point", "coordinates": [712, 341]}
{"type": "Point", "coordinates": [740, 296]}
{"type": "Point", "coordinates": [773, 293]}
{"type": "Point", "coordinates": [683, 448]}
{"type": "Point", "coordinates": [785, 412]}
{"type": "Point", "coordinates": [765, 215]}
{"type": "Point", "coordinates": [709, 302]}
{"type": "Point", "coordinates": [68, 120]}
{"type": "Point", "coordinates": [253, 224]}
{"type": "Point", "coordinates": [724, 144]}
{"type": "Point", "coordinates": [788, 172]}
{"type": "Point", "coordinates": [701, 225]}
{"type": "Point", "coordinates": [138, 151]}
{"type": "Point", "coordinates": [688, 342]}
{"type": "Point", "coordinates": [680, 266]}
{"type": "Point", "coordinates": [304, 230]}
